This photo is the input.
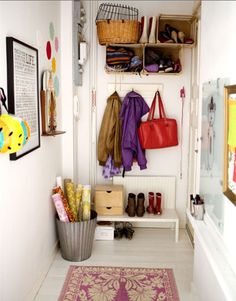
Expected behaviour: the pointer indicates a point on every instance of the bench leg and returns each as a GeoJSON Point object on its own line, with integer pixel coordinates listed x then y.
{"type": "Point", "coordinates": [177, 230]}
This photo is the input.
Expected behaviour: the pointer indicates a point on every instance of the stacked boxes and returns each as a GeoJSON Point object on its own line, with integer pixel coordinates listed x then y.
{"type": "Point", "coordinates": [109, 199]}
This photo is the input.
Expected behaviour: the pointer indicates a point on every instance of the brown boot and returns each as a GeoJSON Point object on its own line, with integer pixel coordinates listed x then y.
{"type": "Point", "coordinates": [140, 209]}
{"type": "Point", "coordinates": [130, 209]}
{"type": "Point", "coordinates": [150, 208]}
{"type": "Point", "coordinates": [158, 203]}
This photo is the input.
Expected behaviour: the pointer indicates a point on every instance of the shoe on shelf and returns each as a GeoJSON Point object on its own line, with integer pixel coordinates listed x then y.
{"type": "Point", "coordinates": [181, 36]}
{"type": "Point", "coordinates": [128, 230]}
{"type": "Point", "coordinates": [144, 30]}
{"type": "Point", "coordinates": [152, 30]}
{"type": "Point", "coordinates": [130, 209]}
{"type": "Point", "coordinates": [150, 208]}
{"type": "Point", "coordinates": [158, 203]}
{"type": "Point", "coordinates": [177, 66]}
{"type": "Point", "coordinates": [174, 36]}
{"type": "Point", "coordinates": [119, 230]}
{"type": "Point", "coordinates": [140, 209]}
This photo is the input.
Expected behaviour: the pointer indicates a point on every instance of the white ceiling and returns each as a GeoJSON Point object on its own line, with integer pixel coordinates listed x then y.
{"type": "Point", "coordinates": [159, 7]}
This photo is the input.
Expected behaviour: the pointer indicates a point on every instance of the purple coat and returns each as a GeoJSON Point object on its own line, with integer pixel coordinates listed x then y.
{"type": "Point", "coordinates": [132, 109]}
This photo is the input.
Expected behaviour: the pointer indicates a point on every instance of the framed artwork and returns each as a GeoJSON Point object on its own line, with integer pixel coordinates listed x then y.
{"type": "Point", "coordinates": [229, 179]}
{"type": "Point", "coordinates": [23, 87]}
{"type": "Point", "coordinates": [212, 149]}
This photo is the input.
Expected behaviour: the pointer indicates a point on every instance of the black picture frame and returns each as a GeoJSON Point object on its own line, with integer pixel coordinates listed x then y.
{"type": "Point", "coordinates": [23, 90]}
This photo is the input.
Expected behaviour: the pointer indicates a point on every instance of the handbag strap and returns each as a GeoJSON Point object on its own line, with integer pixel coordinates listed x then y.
{"type": "Point", "coordinates": [162, 113]}
{"type": "Point", "coordinates": [153, 107]}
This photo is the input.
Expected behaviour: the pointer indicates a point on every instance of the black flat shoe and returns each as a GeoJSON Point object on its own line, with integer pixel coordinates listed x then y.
{"type": "Point", "coordinates": [128, 231]}
{"type": "Point", "coordinates": [119, 230]}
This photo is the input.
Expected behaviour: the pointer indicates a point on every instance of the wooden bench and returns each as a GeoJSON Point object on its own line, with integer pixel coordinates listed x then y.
{"type": "Point", "coordinates": [167, 216]}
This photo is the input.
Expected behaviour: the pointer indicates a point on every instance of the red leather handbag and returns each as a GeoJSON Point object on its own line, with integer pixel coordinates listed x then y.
{"type": "Point", "coordinates": [158, 133]}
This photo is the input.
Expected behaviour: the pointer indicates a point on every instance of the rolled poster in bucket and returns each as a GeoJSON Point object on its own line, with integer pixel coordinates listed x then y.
{"type": "Point", "coordinates": [71, 198]}
{"type": "Point", "coordinates": [59, 207]}
{"type": "Point", "coordinates": [86, 202]}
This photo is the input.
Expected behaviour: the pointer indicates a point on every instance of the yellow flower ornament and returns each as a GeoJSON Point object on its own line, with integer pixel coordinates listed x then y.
{"type": "Point", "coordinates": [15, 133]}
{"type": "Point", "coordinates": [6, 136]}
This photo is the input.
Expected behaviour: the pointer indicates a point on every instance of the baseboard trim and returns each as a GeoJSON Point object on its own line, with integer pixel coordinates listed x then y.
{"type": "Point", "coordinates": [194, 292]}
{"type": "Point", "coordinates": [34, 291]}
{"type": "Point", "coordinates": [190, 236]}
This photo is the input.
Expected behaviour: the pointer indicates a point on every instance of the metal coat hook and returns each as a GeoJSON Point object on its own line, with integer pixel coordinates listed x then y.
{"type": "Point", "coordinates": [3, 100]}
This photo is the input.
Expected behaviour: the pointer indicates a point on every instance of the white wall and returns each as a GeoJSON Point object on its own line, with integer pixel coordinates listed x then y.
{"type": "Point", "coordinates": [213, 277]}
{"type": "Point", "coordinates": [67, 88]}
{"type": "Point", "coordinates": [217, 55]}
{"type": "Point", "coordinates": [27, 230]}
{"type": "Point", "coordinates": [26, 223]}
{"type": "Point", "coordinates": [160, 162]}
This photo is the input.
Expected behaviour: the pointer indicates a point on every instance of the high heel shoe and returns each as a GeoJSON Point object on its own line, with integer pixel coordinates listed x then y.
{"type": "Point", "coordinates": [177, 66]}
{"type": "Point", "coordinates": [181, 36]}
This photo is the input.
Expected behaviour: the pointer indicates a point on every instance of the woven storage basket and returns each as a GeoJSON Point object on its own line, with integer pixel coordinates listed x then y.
{"type": "Point", "coordinates": [117, 31]}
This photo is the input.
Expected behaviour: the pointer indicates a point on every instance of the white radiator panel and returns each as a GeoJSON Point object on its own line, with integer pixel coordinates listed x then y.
{"type": "Point", "coordinates": [136, 184]}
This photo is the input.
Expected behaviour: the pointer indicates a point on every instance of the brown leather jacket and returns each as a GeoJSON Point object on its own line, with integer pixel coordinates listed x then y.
{"type": "Point", "coordinates": [109, 139]}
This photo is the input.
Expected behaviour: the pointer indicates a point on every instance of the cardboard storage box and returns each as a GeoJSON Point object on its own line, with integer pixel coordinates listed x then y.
{"type": "Point", "coordinates": [104, 232]}
{"type": "Point", "coordinates": [109, 199]}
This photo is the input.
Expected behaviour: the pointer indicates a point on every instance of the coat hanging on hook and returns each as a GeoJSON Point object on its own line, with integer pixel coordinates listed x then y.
{"type": "Point", "coordinates": [109, 139]}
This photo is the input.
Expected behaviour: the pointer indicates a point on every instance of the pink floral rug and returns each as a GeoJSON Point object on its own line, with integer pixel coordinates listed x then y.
{"type": "Point", "coordinates": [93, 283]}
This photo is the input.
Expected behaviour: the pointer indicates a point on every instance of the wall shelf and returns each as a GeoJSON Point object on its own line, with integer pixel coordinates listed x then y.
{"type": "Point", "coordinates": [142, 73]}
{"type": "Point", "coordinates": [179, 23]}
{"type": "Point", "coordinates": [159, 44]}
{"type": "Point", "coordinates": [53, 133]}
{"type": "Point", "coordinates": [174, 51]}
{"type": "Point", "coordinates": [167, 216]}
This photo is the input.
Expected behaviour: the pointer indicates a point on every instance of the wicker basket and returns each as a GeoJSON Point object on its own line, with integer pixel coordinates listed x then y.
{"type": "Point", "coordinates": [117, 31]}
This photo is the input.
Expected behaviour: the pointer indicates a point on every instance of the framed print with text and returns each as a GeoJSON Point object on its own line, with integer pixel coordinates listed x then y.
{"type": "Point", "coordinates": [23, 87]}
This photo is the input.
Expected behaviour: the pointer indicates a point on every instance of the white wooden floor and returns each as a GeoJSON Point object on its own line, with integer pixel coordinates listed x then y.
{"type": "Point", "coordinates": [149, 248]}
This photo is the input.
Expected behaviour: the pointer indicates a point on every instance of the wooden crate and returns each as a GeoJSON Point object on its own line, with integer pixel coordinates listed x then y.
{"type": "Point", "coordinates": [136, 48]}
{"type": "Point", "coordinates": [109, 199]}
{"type": "Point", "coordinates": [174, 51]}
{"type": "Point", "coordinates": [184, 23]}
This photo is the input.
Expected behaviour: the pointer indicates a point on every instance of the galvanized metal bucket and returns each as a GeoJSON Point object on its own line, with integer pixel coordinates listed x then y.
{"type": "Point", "coordinates": [76, 239]}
